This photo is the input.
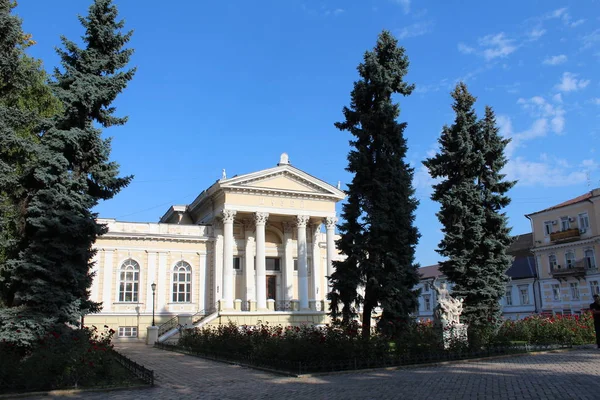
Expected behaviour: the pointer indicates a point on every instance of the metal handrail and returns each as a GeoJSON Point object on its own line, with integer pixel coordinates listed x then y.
{"type": "Point", "coordinates": [167, 326]}
{"type": "Point", "coordinates": [204, 313]}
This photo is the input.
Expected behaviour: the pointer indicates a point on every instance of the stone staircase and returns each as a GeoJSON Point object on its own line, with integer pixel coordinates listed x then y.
{"type": "Point", "coordinates": [169, 332]}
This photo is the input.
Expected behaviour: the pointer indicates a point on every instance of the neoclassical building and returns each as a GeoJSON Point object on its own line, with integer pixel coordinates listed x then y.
{"type": "Point", "coordinates": [250, 248]}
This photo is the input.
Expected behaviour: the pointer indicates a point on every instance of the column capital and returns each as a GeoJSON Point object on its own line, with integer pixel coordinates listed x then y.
{"type": "Point", "coordinates": [228, 216]}
{"type": "Point", "coordinates": [260, 218]}
{"type": "Point", "coordinates": [302, 220]}
{"type": "Point", "coordinates": [330, 222]}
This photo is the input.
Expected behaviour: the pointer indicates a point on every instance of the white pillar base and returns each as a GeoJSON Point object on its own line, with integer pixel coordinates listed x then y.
{"type": "Point", "coordinates": [151, 335]}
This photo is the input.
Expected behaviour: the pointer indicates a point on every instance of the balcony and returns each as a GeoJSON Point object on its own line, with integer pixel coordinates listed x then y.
{"type": "Point", "coordinates": [576, 271]}
{"type": "Point", "coordinates": [568, 235]}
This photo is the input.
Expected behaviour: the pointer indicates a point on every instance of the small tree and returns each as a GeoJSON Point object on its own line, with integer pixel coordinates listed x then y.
{"type": "Point", "coordinates": [378, 236]}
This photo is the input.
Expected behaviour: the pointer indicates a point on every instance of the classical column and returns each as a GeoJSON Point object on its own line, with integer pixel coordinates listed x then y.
{"type": "Point", "coordinates": [261, 285]}
{"type": "Point", "coordinates": [316, 275]}
{"type": "Point", "coordinates": [249, 278]}
{"type": "Point", "coordinates": [288, 269]}
{"type": "Point", "coordinates": [330, 229]}
{"type": "Point", "coordinates": [217, 278]}
{"type": "Point", "coordinates": [228, 216]}
{"type": "Point", "coordinates": [302, 220]}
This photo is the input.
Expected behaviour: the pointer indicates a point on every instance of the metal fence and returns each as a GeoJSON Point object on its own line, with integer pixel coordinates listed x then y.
{"type": "Point", "coordinates": [393, 360]}
{"type": "Point", "coordinates": [145, 374]}
{"type": "Point", "coordinates": [167, 326]}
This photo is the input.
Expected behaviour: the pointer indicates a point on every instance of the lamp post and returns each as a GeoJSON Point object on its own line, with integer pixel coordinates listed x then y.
{"type": "Point", "coordinates": [153, 286]}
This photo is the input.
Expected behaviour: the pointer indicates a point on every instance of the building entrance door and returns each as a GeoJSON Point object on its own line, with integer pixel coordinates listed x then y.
{"type": "Point", "coordinates": [271, 286]}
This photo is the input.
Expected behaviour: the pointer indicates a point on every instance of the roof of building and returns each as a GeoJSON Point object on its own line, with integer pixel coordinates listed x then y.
{"type": "Point", "coordinates": [575, 200]}
{"type": "Point", "coordinates": [521, 243]}
{"type": "Point", "coordinates": [431, 271]}
{"type": "Point", "coordinates": [523, 265]}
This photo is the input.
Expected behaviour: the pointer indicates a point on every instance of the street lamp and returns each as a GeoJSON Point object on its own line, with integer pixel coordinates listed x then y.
{"type": "Point", "coordinates": [153, 286]}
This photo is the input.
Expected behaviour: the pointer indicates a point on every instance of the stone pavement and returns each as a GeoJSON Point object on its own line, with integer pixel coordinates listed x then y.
{"type": "Point", "coordinates": [554, 375]}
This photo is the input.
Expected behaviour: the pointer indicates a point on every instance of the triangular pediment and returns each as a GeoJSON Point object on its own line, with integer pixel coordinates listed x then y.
{"type": "Point", "coordinates": [283, 179]}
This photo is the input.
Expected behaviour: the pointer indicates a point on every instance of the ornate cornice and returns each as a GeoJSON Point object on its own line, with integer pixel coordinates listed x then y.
{"type": "Point", "coordinates": [156, 237]}
{"type": "Point", "coordinates": [595, 239]}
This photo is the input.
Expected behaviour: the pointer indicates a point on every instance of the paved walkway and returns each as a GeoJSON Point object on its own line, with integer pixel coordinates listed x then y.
{"type": "Point", "coordinates": [559, 375]}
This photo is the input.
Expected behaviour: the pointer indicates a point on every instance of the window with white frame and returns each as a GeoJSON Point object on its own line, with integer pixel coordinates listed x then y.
{"type": "Point", "coordinates": [564, 223]}
{"type": "Point", "coordinates": [182, 282]}
{"type": "Point", "coordinates": [547, 228]}
{"type": "Point", "coordinates": [570, 259]}
{"type": "Point", "coordinates": [524, 294]}
{"type": "Point", "coordinates": [584, 222]}
{"type": "Point", "coordinates": [556, 291]}
{"type": "Point", "coordinates": [594, 287]}
{"type": "Point", "coordinates": [427, 302]}
{"type": "Point", "coordinates": [590, 258]}
{"type": "Point", "coordinates": [508, 296]}
{"type": "Point", "coordinates": [128, 331]}
{"type": "Point", "coordinates": [129, 281]}
{"type": "Point", "coordinates": [574, 290]}
{"type": "Point", "coordinates": [552, 262]}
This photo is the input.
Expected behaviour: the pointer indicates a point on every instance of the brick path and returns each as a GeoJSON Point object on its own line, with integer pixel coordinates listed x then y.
{"type": "Point", "coordinates": [556, 375]}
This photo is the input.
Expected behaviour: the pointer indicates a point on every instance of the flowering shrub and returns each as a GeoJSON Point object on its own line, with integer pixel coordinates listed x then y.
{"type": "Point", "coordinates": [62, 358]}
{"type": "Point", "coordinates": [292, 343]}
{"type": "Point", "coordinates": [536, 329]}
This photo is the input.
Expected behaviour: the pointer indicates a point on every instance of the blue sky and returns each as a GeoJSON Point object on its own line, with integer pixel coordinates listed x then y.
{"type": "Point", "coordinates": [233, 84]}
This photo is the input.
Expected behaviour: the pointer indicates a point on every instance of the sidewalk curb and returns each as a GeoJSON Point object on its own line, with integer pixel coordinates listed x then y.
{"type": "Point", "coordinates": [63, 392]}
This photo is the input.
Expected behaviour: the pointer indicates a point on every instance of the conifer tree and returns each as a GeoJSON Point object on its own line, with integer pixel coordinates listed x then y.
{"type": "Point", "coordinates": [72, 174]}
{"type": "Point", "coordinates": [26, 101]}
{"type": "Point", "coordinates": [471, 194]}
{"type": "Point", "coordinates": [378, 236]}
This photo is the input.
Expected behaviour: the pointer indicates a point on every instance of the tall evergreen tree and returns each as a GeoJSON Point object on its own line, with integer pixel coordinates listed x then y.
{"type": "Point", "coordinates": [378, 236]}
{"type": "Point", "coordinates": [25, 102]}
{"type": "Point", "coordinates": [73, 173]}
{"type": "Point", "coordinates": [471, 194]}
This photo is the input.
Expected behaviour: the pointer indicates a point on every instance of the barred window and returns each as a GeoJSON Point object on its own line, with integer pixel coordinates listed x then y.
{"type": "Point", "coordinates": [182, 282]}
{"type": "Point", "coordinates": [129, 281]}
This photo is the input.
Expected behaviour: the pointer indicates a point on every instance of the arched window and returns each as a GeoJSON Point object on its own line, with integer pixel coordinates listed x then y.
{"type": "Point", "coordinates": [182, 282]}
{"type": "Point", "coordinates": [129, 281]}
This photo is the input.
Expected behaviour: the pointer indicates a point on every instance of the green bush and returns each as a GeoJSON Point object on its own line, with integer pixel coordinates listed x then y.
{"type": "Point", "coordinates": [64, 358]}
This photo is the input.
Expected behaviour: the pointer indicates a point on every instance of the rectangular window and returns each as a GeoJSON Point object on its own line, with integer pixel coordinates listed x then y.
{"type": "Point", "coordinates": [584, 222]}
{"type": "Point", "coordinates": [590, 259]}
{"type": "Point", "coordinates": [594, 287]}
{"type": "Point", "coordinates": [569, 259]}
{"type": "Point", "coordinates": [547, 228]}
{"type": "Point", "coordinates": [427, 300]}
{"type": "Point", "coordinates": [128, 331]}
{"type": "Point", "coordinates": [556, 291]}
{"type": "Point", "coordinates": [564, 223]}
{"type": "Point", "coordinates": [426, 288]}
{"type": "Point", "coordinates": [574, 290]}
{"type": "Point", "coordinates": [552, 262]}
{"type": "Point", "coordinates": [272, 264]}
{"type": "Point", "coordinates": [508, 296]}
{"type": "Point", "coordinates": [295, 264]}
{"type": "Point", "coordinates": [524, 294]}
{"type": "Point", "coordinates": [237, 265]}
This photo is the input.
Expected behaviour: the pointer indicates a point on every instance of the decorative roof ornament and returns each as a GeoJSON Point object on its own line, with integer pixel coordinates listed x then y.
{"type": "Point", "coordinates": [339, 185]}
{"type": "Point", "coordinates": [224, 174]}
{"type": "Point", "coordinates": [284, 159]}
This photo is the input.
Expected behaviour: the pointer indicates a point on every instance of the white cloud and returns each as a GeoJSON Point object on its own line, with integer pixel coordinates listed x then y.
{"type": "Point", "coordinates": [554, 116]}
{"type": "Point", "coordinates": [536, 33]}
{"type": "Point", "coordinates": [589, 164]}
{"type": "Point", "coordinates": [557, 98]}
{"type": "Point", "coordinates": [497, 46]}
{"type": "Point", "coordinates": [405, 5]}
{"type": "Point", "coordinates": [546, 173]}
{"type": "Point", "coordinates": [570, 83]}
{"type": "Point", "coordinates": [416, 29]}
{"type": "Point", "coordinates": [556, 60]}
{"type": "Point", "coordinates": [591, 39]}
{"type": "Point", "coordinates": [577, 23]}
{"type": "Point", "coordinates": [463, 48]}
{"type": "Point", "coordinates": [558, 13]}
{"type": "Point", "coordinates": [596, 101]}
